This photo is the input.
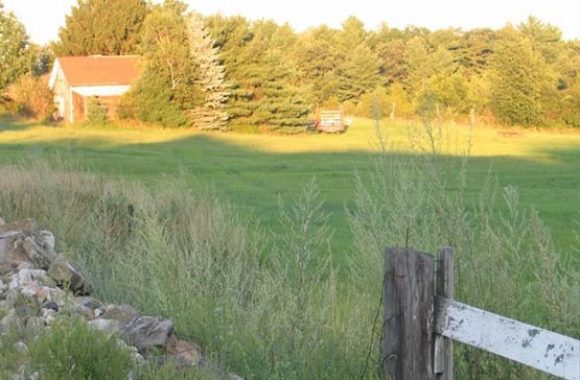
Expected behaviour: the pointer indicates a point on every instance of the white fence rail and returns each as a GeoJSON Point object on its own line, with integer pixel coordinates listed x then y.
{"type": "Point", "coordinates": [541, 349]}
{"type": "Point", "coordinates": [420, 321]}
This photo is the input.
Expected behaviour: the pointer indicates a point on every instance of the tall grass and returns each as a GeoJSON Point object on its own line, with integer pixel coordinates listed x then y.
{"type": "Point", "coordinates": [265, 310]}
{"type": "Point", "coordinates": [506, 261]}
{"type": "Point", "coordinates": [274, 305]}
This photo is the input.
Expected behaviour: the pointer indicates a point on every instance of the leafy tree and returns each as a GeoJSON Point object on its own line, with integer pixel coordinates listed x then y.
{"type": "Point", "coordinates": [546, 38]}
{"type": "Point", "coordinates": [15, 54]}
{"type": "Point", "coordinates": [108, 27]}
{"type": "Point", "coordinates": [150, 100]}
{"type": "Point", "coordinates": [167, 88]}
{"type": "Point", "coordinates": [210, 114]}
{"type": "Point", "coordinates": [393, 61]}
{"type": "Point", "coordinates": [398, 100]}
{"type": "Point", "coordinates": [476, 50]}
{"type": "Point", "coordinates": [317, 56]}
{"type": "Point", "coordinates": [519, 75]}
{"type": "Point", "coordinates": [452, 92]}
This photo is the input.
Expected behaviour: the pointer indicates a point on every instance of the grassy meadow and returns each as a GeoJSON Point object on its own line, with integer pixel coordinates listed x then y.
{"type": "Point", "coordinates": [256, 172]}
{"type": "Point", "coordinates": [279, 276]}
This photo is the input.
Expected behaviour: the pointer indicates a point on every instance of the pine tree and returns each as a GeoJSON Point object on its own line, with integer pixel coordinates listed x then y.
{"type": "Point", "coordinates": [519, 75]}
{"type": "Point", "coordinates": [264, 88]}
{"type": "Point", "coordinates": [359, 74]}
{"type": "Point", "coordinates": [211, 114]}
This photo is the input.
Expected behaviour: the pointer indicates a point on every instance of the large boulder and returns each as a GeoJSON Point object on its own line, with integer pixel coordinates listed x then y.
{"type": "Point", "coordinates": [147, 332]}
{"type": "Point", "coordinates": [122, 313]}
{"type": "Point", "coordinates": [66, 274]}
{"type": "Point", "coordinates": [12, 252]}
{"type": "Point", "coordinates": [21, 243]}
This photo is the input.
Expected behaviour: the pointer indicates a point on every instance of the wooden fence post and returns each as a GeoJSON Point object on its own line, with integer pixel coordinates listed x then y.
{"type": "Point", "coordinates": [408, 306]}
{"type": "Point", "coordinates": [443, 350]}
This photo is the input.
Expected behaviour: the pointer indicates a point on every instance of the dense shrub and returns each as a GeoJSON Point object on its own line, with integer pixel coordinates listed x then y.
{"type": "Point", "coordinates": [32, 96]}
{"type": "Point", "coordinates": [150, 101]}
{"type": "Point", "coordinates": [97, 112]}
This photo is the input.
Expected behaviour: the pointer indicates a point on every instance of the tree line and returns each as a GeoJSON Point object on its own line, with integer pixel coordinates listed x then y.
{"type": "Point", "coordinates": [231, 73]}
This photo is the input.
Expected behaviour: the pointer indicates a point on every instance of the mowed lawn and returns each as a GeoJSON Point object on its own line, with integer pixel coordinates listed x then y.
{"type": "Point", "coordinates": [256, 172]}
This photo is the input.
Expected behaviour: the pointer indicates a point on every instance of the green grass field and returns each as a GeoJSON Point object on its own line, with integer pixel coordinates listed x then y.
{"type": "Point", "coordinates": [265, 300]}
{"type": "Point", "coordinates": [255, 172]}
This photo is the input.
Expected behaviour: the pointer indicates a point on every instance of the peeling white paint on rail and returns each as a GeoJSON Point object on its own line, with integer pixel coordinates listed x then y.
{"type": "Point", "coordinates": [544, 350]}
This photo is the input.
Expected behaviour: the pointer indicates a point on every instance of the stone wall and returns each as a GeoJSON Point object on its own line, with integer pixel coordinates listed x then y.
{"type": "Point", "coordinates": [31, 269]}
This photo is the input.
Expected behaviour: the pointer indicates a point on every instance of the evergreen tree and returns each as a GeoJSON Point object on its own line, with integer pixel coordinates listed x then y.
{"type": "Point", "coordinates": [359, 74]}
{"type": "Point", "coordinates": [317, 57]}
{"type": "Point", "coordinates": [518, 77]}
{"type": "Point", "coordinates": [107, 27]}
{"type": "Point", "coordinates": [264, 81]}
{"type": "Point", "coordinates": [353, 34]}
{"type": "Point", "coordinates": [15, 53]}
{"type": "Point", "coordinates": [211, 114]}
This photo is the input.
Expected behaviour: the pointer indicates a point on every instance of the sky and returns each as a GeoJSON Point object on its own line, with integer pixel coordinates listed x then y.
{"type": "Point", "coordinates": [43, 18]}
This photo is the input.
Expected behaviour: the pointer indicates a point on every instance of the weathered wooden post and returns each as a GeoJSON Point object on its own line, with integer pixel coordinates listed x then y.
{"type": "Point", "coordinates": [443, 350]}
{"type": "Point", "coordinates": [407, 346]}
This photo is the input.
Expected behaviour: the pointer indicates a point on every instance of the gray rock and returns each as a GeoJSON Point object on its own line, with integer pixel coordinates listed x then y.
{"type": "Point", "coordinates": [84, 312]}
{"type": "Point", "coordinates": [25, 265]}
{"type": "Point", "coordinates": [107, 325]}
{"type": "Point", "coordinates": [34, 325]}
{"type": "Point", "coordinates": [12, 296]}
{"type": "Point", "coordinates": [35, 292]}
{"type": "Point", "coordinates": [56, 295]}
{"type": "Point", "coordinates": [122, 313]}
{"type": "Point", "coordinates": [88, 302]}
{"type": "Point", "coordinates": [36, 276]}
{"type": "Point", "coordinates": [11, 321]}
{"type": "Point", "coordinates": [48, 240]}
{"type": "Point", "coordinates": [146, 332]}
{"type": "Point", "coordinates": [20, 347]}
{"type": "Point", "coordinates": [39, 252]}
{"type": "Point", "coordinates": [2, 221]}
{"type": "Point", "coordinates": [25, 311]}
{"type": "Point", "coordinates": [49, 315]}
{"type": "Point", "coordinates": [64, 273]}
{"type": "Point", "coordinates": [51, 305]}
{"type": "Point", "coordinates": [12, 251]}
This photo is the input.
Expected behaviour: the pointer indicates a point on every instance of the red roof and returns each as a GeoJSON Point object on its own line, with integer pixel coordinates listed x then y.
{"type": "Point", "coordinates": [100, 70]}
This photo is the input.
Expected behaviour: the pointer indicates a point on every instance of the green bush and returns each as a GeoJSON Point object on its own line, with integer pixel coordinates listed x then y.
{"type": "Point", "coordinates": [70, 349]}
{"type": "Point", "coordinates": [150, 101]}
{"type": "Point", "coordinates": [97, 112]}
